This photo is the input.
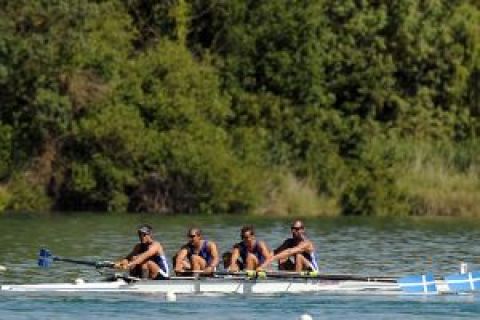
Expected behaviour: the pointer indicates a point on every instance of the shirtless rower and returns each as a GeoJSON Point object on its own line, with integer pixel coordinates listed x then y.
{"type": "Point", "coordinates": [197, 254]}
{"type": "Point", "coordinates": [147, 258]}
{"type": "Point", "coordinates": [296, 253]}
{"type": "Point", "coordinates": [249, 253]}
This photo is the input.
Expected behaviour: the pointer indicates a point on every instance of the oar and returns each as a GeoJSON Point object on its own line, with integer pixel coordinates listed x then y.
{"type": "Point", "coordinates": [45, 259]}
{"type": "Point", "coordinates": [252, 274]}
{"type": "Point", "coordinates": [325, 276]}
{"type": "Point", "coordinates": [202, 273]}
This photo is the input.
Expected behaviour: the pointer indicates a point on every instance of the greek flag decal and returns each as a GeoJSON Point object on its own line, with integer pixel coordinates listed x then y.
{"type": "Point", "coordinates": [423, 284]}
{"type": "Point", "coordinates": [465, 282]}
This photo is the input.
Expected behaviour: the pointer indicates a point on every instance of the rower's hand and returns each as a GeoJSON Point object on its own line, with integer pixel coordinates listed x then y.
{"type": "Point", "coordinates": [178, 270]}
{"type": "Point", "coordinates": [233, 268]}
{"type": "Point", "coordinates": [208, 270]}
{"type": "Point", "coordinates": [123, 265]}
{"type": "Point", "coordinates": [120, 267]}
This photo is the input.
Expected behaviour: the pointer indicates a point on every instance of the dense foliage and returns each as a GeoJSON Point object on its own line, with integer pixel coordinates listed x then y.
{"type": "Point", "coordinates": [214, 105]}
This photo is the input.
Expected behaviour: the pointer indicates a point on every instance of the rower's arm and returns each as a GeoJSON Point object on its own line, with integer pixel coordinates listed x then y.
{"type": "Point", "coordinates": [152, 250]}
{"type": "Point", "coordinates": [282, 247]}
{"type": "Point", "coordinates": [133, 253]}
{"type": "Point", "coordinates": [181, 255]}
{"type": "Point", "coordinates": [270, 258]}
{"type": "Point", "coordinates": [214, 253]}
{"type": "Point", "coordinates": [122, 263]}
{"type": "Point", "coordinates": [265, 251]}
{"type": "Point", "coordinates": [305, 246]}
{"type": "Point", "coordinates": [233, 259]}
{"type": "Point", "coordinates": [302, 247]}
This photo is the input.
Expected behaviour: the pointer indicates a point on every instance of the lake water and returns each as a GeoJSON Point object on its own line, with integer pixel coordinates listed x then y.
{"type": "Point", "coordinates": [363, 246]}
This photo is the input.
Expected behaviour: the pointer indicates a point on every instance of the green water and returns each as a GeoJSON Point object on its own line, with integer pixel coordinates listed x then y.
{"type": "Point", "coordinates": [354, 245]}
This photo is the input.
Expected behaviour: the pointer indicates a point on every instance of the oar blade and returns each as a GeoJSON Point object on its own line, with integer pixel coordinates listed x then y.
{"type": "Point", "coordinates": [464, 282]}
{"type": "Point", "coordinates": [44, 258]}
{"type": "Point", "coordinates": [418, 284]}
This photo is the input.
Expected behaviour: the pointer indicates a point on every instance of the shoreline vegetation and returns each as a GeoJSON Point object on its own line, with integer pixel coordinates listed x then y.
{"type": "Point", "coordinates": [273, 108]}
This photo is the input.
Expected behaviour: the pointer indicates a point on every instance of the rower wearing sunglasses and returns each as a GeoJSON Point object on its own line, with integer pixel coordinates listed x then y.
{"type": "Point", "coordinates": [296, 253]}
{"type": "Point", "coordinates": [147, 259]}
{"type": "Point", "coordinates": [197, 254]}
{"type": "Point", "coordinates": [247, 254]}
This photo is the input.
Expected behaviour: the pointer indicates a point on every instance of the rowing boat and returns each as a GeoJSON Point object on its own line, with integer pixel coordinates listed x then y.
{"type": "Point", "coordinates": [220, 285]}
{"type": "Point", "coordinates": [252, 282]}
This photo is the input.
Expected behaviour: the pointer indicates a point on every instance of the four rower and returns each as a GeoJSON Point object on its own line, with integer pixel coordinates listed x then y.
{"type": "Point", "coordinates": [249, 253]}
{"type": "Point", "coordinates": [197, 255]}
{"type": "Point", "coordinates": [296, 253]}
{"type": "Point", "coordinates": [147, 259]}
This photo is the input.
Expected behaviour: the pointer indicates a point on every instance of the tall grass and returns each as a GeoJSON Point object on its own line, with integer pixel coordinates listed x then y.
{"type": "Point", "coordinates": [4, 198]}
{"type": "Point", "coordinates": [289, 195]}
{"type": "Point", "coordinates": [442, 179]}
{"type": "Point", "coordinates": [430, 178]}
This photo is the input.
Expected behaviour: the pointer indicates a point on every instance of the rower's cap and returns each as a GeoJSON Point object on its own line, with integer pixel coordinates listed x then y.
{"type": "Point", "coordinates": [145, 228]}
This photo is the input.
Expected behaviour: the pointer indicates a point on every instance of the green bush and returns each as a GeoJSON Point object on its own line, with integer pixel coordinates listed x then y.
{"type": "Point", "coordinates": [372, 188]}
{"type": "Point", "coordinates": [193, 106]}
{"type": "Point", "coordinates": [25, 196]}
{"type": "Point", "coordinates": [4, 199]}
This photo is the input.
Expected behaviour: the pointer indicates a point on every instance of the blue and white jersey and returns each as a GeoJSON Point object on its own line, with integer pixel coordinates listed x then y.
{"type": "Point", "coordinates": [310, 256]}
{"type": "Point", "coordinates": [256, 251]}
{"type": "Point", "coordinates": [160, 260]}
{"type": "Point", "coordinates": [204, 252]}
{"type": "Point", "coordinates": [312, 259]}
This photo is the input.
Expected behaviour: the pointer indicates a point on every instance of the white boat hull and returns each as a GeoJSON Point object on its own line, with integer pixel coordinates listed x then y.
{"type": "Point", "coordinates": [220, 286]}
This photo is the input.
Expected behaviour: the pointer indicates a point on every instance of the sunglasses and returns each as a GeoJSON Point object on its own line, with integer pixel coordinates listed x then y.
{"type": "Point", "coordinates": [296, 228]}
{"type": "Point", "coordinates": [141, 234]}
{"type": "Point", "coordinates": [191, 236]}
